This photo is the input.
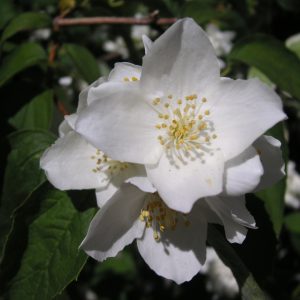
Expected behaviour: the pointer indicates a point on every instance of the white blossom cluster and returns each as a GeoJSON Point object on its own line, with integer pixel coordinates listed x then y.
{"type": "Point", "coordinates": [169, 147]}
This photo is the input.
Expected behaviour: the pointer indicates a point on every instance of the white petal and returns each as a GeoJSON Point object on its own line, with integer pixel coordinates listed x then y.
{"type": "Point", "coordinates": [104, 194]}
{"type": "Point", "coordinates": [68, 164]}
{"type": "Point", "coordinates": [121, 124]}
{"type": "Point", "coordinates": [180, 253]}
{"type": "Point", "coordinates": [134, 174]}
{"type": "Point", "coordinates": [124, 70]}
{"type": "Point", "coordinates": [116, 225]}
{"type": "Point", "coordinates": [243, 173]}
{"type": "Point", "coordinates": [180, 185]}
{"type": "Point", "coordinates": [64, 128]}
{"type": "Point", "coordinates": [147, 43]}
{"type": "Point", "coordinates": [272, 161]}
{"type": "Point", "coordinates": [242, 110]}
{"type": "Point", "coordinates": [82, 103]}
{"type": "Point", "coordinates": [234, 215]}
{"type": "Point", "coordinates": [180, 61]}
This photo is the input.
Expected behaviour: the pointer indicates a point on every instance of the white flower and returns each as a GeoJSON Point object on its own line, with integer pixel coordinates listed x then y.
{"type": "Point", "coordinates": [173, 243]}
{"type": "Point", "coordinates": [220, 278]}
{"type": "Point", "coordinates": [73, 163]}
{"type": "Point", "coordinates": [292, 194]}
{"type": "Point", "coordinates": [118, 46]}
{"type": "Point", "coordinates": [221, 40]}
{"type": "Point", "coordinates": [189, 127]}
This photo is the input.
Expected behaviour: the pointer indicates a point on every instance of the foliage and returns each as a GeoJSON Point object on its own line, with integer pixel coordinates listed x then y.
{"type": "Point", "coordinates": [42, 71]}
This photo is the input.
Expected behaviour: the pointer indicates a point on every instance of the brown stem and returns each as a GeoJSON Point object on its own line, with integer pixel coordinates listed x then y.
{"type": "Point", "coordinates": [59, 21]}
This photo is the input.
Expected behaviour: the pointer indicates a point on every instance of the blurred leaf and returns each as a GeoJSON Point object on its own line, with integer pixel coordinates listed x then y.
{"type": "Point", "coordinates": [37, 114]}
{"type": "Point", "coordinates": [84, 61]}
{"type": "Point", "coordinates": [122, 264]}
{"type": "Point", "coordinates": [22, 57]}
{"type": "Point", "coordinates": [272, 58]}
{"type": "Point", "coordinates": [292, 222]}
{"type": "Point", "coordinates": [22, 176]}
{"type": "Point", "coordinates": [255, 73]}
{"type": "Point", "coordinates": [291, 5]}
{"type": "Point", "coordinates": [248, 287]}
{"type": "Point", "coordinates": [204, 11]}
{"type": "Point", "coordinates": [7, 11]}
{"type": "Point", "coordinates": [66, 5]}
{"type": "Point", "coordinates": [52, 259]}
{"type": "Point", "coordinates": [293, 43]}
{"type": "Point", "coordinates": [273, 197]}
{"type": "Point", "coordinates": [25, 21]}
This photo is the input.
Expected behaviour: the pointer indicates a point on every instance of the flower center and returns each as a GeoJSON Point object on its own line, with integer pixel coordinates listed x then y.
{"type": "Point", "coordinates": [107, 165]}
{"type": "Point", "coordinates": [185, 125]}
{"type": "Point", "coordinates": [160, 217]}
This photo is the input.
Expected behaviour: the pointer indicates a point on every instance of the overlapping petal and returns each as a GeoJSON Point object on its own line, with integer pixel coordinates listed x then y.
{"type": "Point", "coordinates": [242, 111]}
{"type": "Point", "coordinates": [243, 173]}
{"type": "Point", "coordinates": [68, 164]}
{"type": "Point", "coordinates": [115, 225]}
{"type": "Point", "coordinates": [180, 185]}
{"type": "Point", "coordinates": [180, 253]}
{"type": "Point", "coordinates": [181, 60]}
{"type": "Point", "coordinates": [121, 124]}
{"type": "Point", "coordinates": [234, 215]}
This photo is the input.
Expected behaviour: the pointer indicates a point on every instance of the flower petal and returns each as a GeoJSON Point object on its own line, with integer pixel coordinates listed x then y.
{"type": "Point", "coordinates": [124, 70]}
{"type": "Point", "coordinates": [180, 253]}
{"type": "Point", "coordinates": [234, 215]}
{"type": "Point", "coordinates": [115, 225]}
{"type": "Point", "coordinates": [121, 124]}
{"type": "Point", "coordinates": [243, 173]}
{"type": "Point", "coordinates": [82, 103]}
{"type": "Point", "coordinates": [147, 43]}
{"type": "Point", "coordinates": [242, 110]}
{"type": "Point", "coordinates": [180, 185]}
{"type": "Point", "coordinates": [184, 56]}
{"type": "Point", "coordinates": [134, 174]}
{"type": "Point", "coordinates": [272, 161]}
{"type": "Point", "coordinates": [68, 164]}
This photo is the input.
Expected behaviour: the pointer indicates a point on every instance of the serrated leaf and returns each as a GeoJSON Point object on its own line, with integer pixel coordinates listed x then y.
{"type": "Point", "coordinates": [25, 21]}
{"type": "Point", "coordinates": [249, 288]}
{"type": "Point", "coordinates": [22, 176]}
{"type": "Point", "coordinates": [84, 62]}
{"type": "Point", "coordinates": [272, 58]}
{"type": "Point", "coordinates": [292, 222]}
{"type": "Point", "coordinates": [52, 259]}
{"type": "Point", "coordinates": [37, 114]}
{"type": "Point", "coordinates": [22, 57]}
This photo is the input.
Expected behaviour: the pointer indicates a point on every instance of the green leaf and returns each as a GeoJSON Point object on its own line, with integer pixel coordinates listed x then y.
{"type": "Point", "coordinates": [248, 287]}
{"type": "Point", "coordinates": [25, 21]}
{"type": "Point", "coordinates": [272, 58]}
{"type": "Point", "coordinates": [292, 222]}
{"type": "Point", "coordinates": [293, 43]}
{"type": "Point", "coordinates": [22, 176]}
{"type": "Point", "coordinates": [22, 57]}
{"type": "Point", "coordinates": [52, 259]}
{"type": "Point", "coordinates": [37, 114]}
{"type": "Point", "coordinates": [273, 197]}
{"type": "Point", "coordinates": [255, 73]}
{"type": "Point", "coordinates": [290, 5]}
{"type": "Point", "coordinates": [84, 62]}
{"type": "Point", "coordinates": [7, 11]}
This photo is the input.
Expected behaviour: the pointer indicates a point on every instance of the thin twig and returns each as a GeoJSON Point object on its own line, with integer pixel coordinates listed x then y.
{"type": "Point", "coordinates": [59, 21]}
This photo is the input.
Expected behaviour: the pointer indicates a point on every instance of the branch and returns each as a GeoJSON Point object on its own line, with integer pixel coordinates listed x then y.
{"type": "Point", "coordinates": [60, 21]}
